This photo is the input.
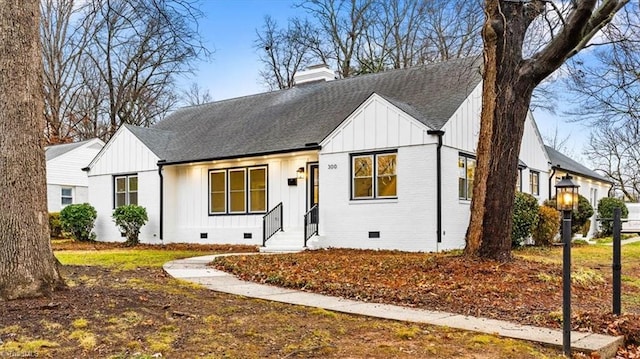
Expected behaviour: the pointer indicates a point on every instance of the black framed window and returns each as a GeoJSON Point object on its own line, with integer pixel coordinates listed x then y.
{"type": "Point", "coordinates": [238, 190]}
{"type": "Point", "coordinates": [373, 175]}
{"type": "Point", "coordinates": [126, 190]}
{"type": "Point", "coordinates": [466, 173]}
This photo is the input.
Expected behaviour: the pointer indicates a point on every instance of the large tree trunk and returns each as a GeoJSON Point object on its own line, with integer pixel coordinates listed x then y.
{"type": "Point", "coordinates": [505, 103]}
{"type": "Point", "coordinates": [27, 265]}
{"type": "Point", "coordinates": [509, 81]}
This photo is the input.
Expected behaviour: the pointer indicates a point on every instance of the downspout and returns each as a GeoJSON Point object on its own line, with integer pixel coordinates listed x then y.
{"type": "Point", "coordinates": [160, 164]}
{"type": "Point", "coordinates": [551, 177]}
{"type": "Point", "coordinates": [438, 133]}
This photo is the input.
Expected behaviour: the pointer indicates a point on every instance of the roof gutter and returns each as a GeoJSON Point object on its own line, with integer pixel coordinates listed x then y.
{"type": "Point", "coordinates": [553, 174]}
{"type": "Point", "coordinates": [438, 133]}
{"type": "Point", "coordinates": [161, 230]}
{"type": "Point", "coordinates": [308, 147]}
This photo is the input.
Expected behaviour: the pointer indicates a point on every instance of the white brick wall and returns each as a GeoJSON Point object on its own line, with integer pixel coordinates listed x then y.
{"type": "Point", "coordinates": [406, 223]}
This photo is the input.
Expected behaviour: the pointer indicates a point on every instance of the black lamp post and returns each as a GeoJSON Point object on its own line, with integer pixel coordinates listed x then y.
{"type": "Point", "coordinates": [566, 201]}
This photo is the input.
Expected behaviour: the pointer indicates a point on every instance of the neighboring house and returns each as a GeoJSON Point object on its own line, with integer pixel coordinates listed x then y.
{"type": "Point", "coordinates": [593, 186]}
{"type": "Point", "coordinates": [67, 183]}
{"type": "Point", "coordinates": [382, 161]}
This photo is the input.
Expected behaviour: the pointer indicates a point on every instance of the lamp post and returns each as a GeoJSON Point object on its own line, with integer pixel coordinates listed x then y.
{"type": "Point", "coordinates": [566, 201]}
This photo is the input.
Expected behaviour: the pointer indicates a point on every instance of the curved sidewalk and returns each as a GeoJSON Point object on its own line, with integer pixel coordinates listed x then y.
{"type": "Point", "coordinates": [196, 270]}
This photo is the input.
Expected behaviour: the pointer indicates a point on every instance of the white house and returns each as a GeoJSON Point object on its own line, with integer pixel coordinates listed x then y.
{"type": "Point", "coordinates": [67, 183]}
{"type": "Point", "coordinates": [376, 161]}
{"type": "Point", "coordinates": [593, 186]}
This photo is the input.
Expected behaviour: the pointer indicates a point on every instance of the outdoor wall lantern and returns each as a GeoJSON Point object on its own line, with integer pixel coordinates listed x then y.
{"type": "Point", "coordinates": [566, 201]}
{"type": "Point", "coordinates": [300, 173]}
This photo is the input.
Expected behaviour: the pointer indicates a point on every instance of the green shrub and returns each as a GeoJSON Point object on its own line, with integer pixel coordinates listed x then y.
{"type": "Point", "coordinates": [525, 217]}
{"type": "Point", "coordinates": [78, 219]}
{"type": "Point", "coordinates": [605, 210]}
{"type": "Point", "coordinates": [55, 225]}
{"type": "Point", "coordinates": [130, 219]}
{"type": "Point", "coordinates": [547, 228]}
{"type": "Point", "coordinates": [578, 217]}
{"type": "Point", "coordinates": [581, 216]}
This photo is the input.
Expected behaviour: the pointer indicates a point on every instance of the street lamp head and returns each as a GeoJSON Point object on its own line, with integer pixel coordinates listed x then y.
{"type": "Point", "coordinates": [566, 194]}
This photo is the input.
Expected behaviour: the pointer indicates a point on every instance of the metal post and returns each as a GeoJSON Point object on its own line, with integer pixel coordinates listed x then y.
{"type": "Point", "coordinates": [617, 265]}
{"type": "Point", "coordinates": [566, 283]}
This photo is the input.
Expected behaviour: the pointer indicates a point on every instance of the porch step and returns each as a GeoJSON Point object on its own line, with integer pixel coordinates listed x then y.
{"type": "Point", "coordinates": [283, 242]}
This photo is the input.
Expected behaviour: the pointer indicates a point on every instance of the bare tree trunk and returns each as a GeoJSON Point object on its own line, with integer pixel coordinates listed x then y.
{"type": "Point", "coordinates": [27, 265]}
{"type": "Point", "coordinates": [508, 82]}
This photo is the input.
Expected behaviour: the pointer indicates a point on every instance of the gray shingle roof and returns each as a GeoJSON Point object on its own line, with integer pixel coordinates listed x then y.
{"type": "Point", "coordinates": [561, 161]}
{"type": "Point", "coordinates": [54, 151]}
{"type": "Point", "coordinates": [287, 120]}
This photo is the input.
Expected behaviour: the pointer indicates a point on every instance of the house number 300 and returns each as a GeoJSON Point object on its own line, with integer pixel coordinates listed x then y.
{"type": "Point", "coordinates": [333, 166]}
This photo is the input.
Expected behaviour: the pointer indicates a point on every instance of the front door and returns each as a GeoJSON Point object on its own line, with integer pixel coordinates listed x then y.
{"type": "Point", "coordinates": [313, 185]}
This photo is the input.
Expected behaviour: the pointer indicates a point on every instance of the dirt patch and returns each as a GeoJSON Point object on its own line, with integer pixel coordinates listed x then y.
{"type": "Point", "coordinates": [71, 245]}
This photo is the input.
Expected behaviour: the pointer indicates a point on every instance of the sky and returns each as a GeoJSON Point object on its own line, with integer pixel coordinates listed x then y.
{"type": "Point", "coordinates": [229, 28]}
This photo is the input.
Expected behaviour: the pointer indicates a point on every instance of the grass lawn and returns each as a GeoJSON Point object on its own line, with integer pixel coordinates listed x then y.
{"type": "Point", "coordinates": [120, 304]}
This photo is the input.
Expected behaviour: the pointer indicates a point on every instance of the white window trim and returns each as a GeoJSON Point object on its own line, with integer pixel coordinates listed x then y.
{"type": "Point", "coordinates": [62, 196]}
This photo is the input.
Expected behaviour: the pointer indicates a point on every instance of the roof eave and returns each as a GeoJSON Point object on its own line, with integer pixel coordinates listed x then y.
{"type": "Point", "coordinates": [312, 147]}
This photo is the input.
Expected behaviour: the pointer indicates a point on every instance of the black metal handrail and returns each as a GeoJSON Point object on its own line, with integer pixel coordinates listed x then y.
{"type": "Point", "coordinates": [271, 223]}
{"type": "Point", "coordinates": [311, 223]}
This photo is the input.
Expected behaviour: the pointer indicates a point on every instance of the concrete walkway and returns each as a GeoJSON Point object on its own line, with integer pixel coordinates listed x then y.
{"type": "Point", "coordinates": [196, 270]}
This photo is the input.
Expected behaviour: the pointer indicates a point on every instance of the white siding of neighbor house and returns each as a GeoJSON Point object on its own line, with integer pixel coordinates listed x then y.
{"type": "Point", "coordinates": [124, 154]}
{"type": "Point", "coordinates": [80, 194]}
{"type": "Point", "coordinates": [187, 200]}
{"type": "Point", "coordinates": [65, 171]}
{"type": "Point", "coordinates": [585, 190]}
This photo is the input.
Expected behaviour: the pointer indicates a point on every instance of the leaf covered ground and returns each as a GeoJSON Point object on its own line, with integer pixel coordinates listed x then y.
{"type": "Point", "coordinates": [527, 290]}
{"type": "Point", "coordinates": [109, 311]}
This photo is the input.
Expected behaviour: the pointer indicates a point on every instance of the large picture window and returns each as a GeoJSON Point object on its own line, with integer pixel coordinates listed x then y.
{"type": "Point", "coordinates": [466, 172]}
{"type": "Point", "coordinates": [238, 190]}
{"type": "Point", "coordinates": [374, 175]}
{"type": "Point", "coordinates": [126, 188]}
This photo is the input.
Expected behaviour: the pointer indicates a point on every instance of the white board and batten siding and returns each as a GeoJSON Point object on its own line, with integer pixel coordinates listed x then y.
{"type": "Point", "coordinates": [463, 129]}
{"type": "Point", "coordinates": [404, 223]}
{"type": "Point", "coordinates": [65, 171]}
{"type": "Point", "coordinates": [187, 200]}
{"type": "Point", "coordinates": [125, 154]}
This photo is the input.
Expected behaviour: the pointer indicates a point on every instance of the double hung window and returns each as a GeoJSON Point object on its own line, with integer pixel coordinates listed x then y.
{"type": "Point", "coordinates": [374, 175]}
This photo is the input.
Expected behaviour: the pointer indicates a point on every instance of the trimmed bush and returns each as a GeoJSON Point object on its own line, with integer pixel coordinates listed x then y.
{"type": "Point", "coordinates": [55, 225]}
{"type": "Point", "coordinates": [78, 219]}
{"type": "Point", "coordinates": [605, 210]}
{"type": "Point", "coordinates": [130, 219]}
{"type": "Point", "coordinates": [548, 223]}
{"type": "Point", "coordinates": [578, 217]}
{"type": "Point", "coordinates": [525, 217]}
